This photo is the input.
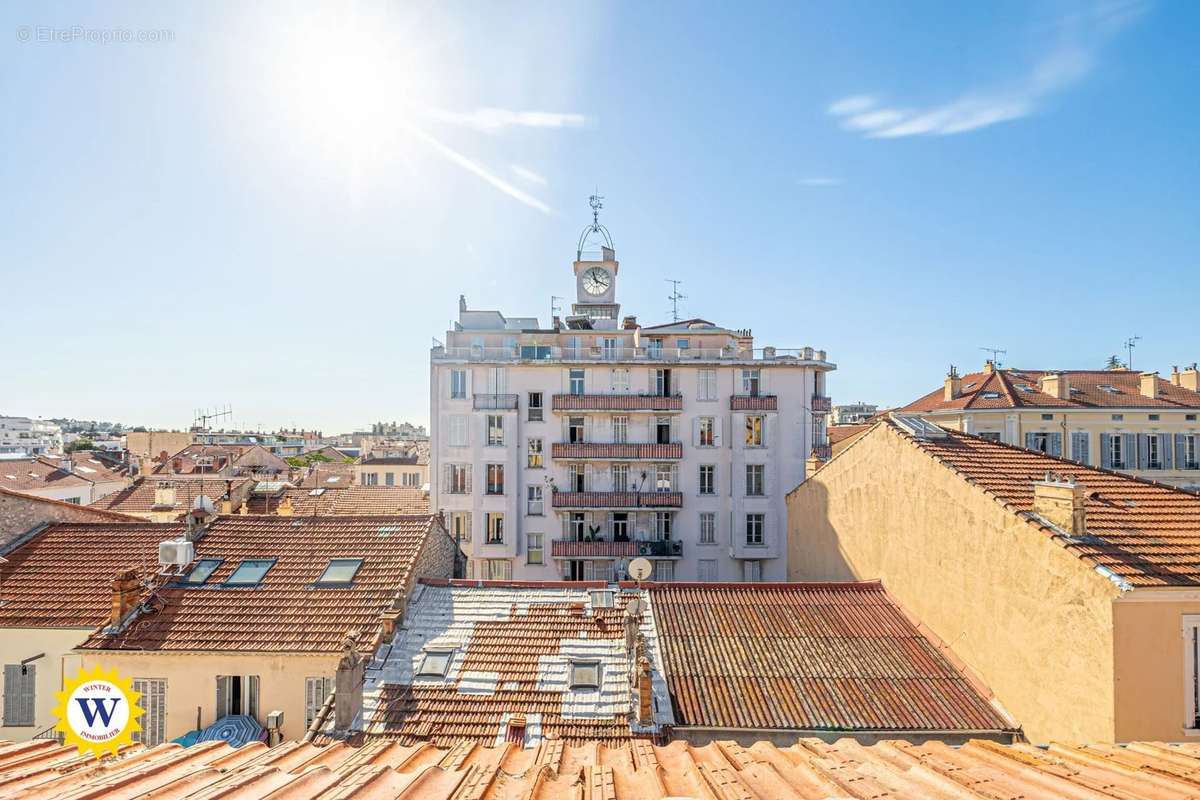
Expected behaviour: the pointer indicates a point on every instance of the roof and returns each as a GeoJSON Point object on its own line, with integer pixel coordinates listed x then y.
{"type": "Point", "coordinates": [98, 514]}
{"type": "Point", "coordinates": [100, 467]}
{"type": "Point", "coordinates": [62, 577]}
{"type": "Point", "coordinates": [222, 455]}
{"type": "Point", "coordinates": [512, 645]}
{"type": "Point", "coordinates": [840, 436]}
{"type": "Point", "coordinates": [1146, 533]}
{"type": "Point", "coordinates": [809, 656]}
{"type": "Point", "coordinates": [285, 612]}
{"type": "Point", "coordinates": [1018, 388]}
{"type": "Point", "coordinates": [408, 460]}
{"type": "Point", "coordinates": [353, 500]}
{"type": "Point", "coordinates": [32, 474]}
{"type": "Point", "coordinates": [40, 770]}
{"type": "Point", "coordinates": [329, 475]}
{"type": "Point", "coordinates": [139, 496]}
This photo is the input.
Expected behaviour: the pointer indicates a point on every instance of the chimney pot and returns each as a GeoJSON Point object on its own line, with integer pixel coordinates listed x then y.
{"type": "Point", "coordinates": [126, 591]}
{"type": "Point", "coordinates": [645, 693]}
{"type": "Point", "coordinates": [1059, 500]}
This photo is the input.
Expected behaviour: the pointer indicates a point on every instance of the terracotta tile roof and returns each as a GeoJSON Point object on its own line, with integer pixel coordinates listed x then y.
{"type": "Point", "coordinates": [1145, 532]}
{"type": "Point", "coordinates": [1018, 388]}
{"type": "Point", "coordinates": [62, 577]}
{"type": "Point", "coordinates": [285, 612]}
{"type": "Point", "coordinates": [641, 452]}
{"type": "Point", "coordinates": [98, 466]}
{"type": "Point", "coordinates": [92, 512]}
{"type": "Point", "coordinates": [827, 656]}
{"type": "Point", "coordinates": [32, 474]}
{"type": "Point", "coordinates": [329, 476]}
{"type": "Point", "coordinates": [43, 770]}
{"type": "Point", "coordinates": [512, 646]}
{"type": "Point", "coordinates": [138, 497]}
{"type": "Point", "coordinates": [354, 501]}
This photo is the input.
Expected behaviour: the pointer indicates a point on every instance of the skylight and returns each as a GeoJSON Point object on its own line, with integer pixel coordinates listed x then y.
{"type": "Point", "coordinates": [204, 568]}
{"type": "Point", "coordinates": [1024, 388]}
{"type": "Point", "coordinates": [435, 664]}
{"type": "Point", "coordinates": [316, 493]}
{"type": "Point", "coordinates": [333, 479]}
{"type": "Point", "coordinates": [250, 571]}
{"type": "Point", "coordinates": [585, 674]}
{"type": "Point", "coordinates": [991, 395]}
{"type": "Point", "coordinates": [970, 385]}
{"type": "Point", "coordinates": [1104, 387]}
{"type": "Point", "coordinates": [601, 598]}
{"type": "Point", "coordinates": [340, 570]}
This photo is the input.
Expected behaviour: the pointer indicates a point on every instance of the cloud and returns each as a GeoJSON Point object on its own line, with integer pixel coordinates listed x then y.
{"type": "Point", "coordinates": [527, 174]}
{"type": "Point", "coordinates": [490, 120]}
{"type": "Point", "coordinates": [1080, 38]}
{"type": "Point", "coordinates": [480, 171]}
{"type": "Point", "coordinates": [820, 181]}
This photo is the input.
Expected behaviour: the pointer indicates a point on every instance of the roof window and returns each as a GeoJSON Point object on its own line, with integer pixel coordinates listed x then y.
{"type": "Point", "coordinates": [585, 674]}
{"type": "Point", "coordinates": [601, 598]}
{"type": "Point", "coordinates": [340, 571]}
{"type": "Point", "coordinates": [204, 568]}
{"type": "Point", "coordinates": [991, 395]}
{"type": "Point", "coordinates": [435, 664]}
{"type": "Point", "coordinates": [250, 572]}
{"type": "Point", "coordinates": [969, 386]}
{"type": "Point", "coordinates": [1024, 387]}
{"type": "Point", "coordinates": [316, 493]}
{"type": "Point", "coordinates": [1105, 387]}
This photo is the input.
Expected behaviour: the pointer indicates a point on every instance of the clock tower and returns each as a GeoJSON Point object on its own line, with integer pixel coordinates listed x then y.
{"type": "Point", "coordinates": [595, 269]}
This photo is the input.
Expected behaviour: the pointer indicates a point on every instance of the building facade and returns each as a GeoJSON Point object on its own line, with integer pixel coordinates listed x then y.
{"type": "Point", "coordinates": [852, 413]}
{"type": "Point", "coordinates": [562, 452]}
{"type": "Point", "coordinates": [29, 437]}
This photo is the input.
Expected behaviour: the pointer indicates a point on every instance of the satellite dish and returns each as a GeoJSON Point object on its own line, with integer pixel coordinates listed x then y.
{"type": "Point", "coordinates": [634, 606]}
{"type": "Point", "coordinates": [203, 503]}
{"type": "Point", "coordinates": [640, 569]}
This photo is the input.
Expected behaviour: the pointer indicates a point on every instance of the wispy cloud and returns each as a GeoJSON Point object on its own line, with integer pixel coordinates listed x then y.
{"type": "Point", "coordinates": [1081, 37]}
{"type": "Point", "coordinates": [525, 173]}
{"type": "Point", "coordinates": [491, 120]}
{"type": "Point", "coordinates": [820, 181]}
{"type": "Point", "coordinates": [480, 171]}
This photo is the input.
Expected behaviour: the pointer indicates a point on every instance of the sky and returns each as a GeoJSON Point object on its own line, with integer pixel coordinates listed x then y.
{"type": "Point", "coordinates": [275, 206]}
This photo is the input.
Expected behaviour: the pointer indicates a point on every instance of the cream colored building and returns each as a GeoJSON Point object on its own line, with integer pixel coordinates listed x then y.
{"type": "Point", "coordinates": [410, 471]}
{"type": "Point", "coordinates": [1074, 595]}
{"type": "Point", "coordinates": [1135, 422]}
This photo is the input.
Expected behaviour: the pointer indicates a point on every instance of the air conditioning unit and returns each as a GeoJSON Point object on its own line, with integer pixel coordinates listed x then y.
{"type": "Point", "coordinates": [176, 552]}
{"type": "Point", "coordinates": [274, 720]}
{"type": "Point", "coordinates": [644, 549]}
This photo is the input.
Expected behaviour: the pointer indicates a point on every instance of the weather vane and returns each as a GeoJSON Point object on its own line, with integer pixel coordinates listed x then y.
{"type": "Point", "coordinates": [596, 201]}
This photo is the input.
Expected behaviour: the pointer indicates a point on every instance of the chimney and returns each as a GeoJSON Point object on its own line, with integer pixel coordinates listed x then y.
{"type": "Point", "coordinates": [1190, 378]}
{"type": "Point", "coordinates": [348, 684]}
{"type": "Point", "coordinates": [126, 591]}
{"type": "Point", "coordinates": [645, 692]}
{"type": "Point", "coordinates": [285, 509]}
{"type": "Point", "coordinates": [244, 508]}
{"type": "Point", "coordinates": [1059, 500]}
{"type": "Point", "coordinates": [1149, 384]}
{"type": "Point", "coordinates": [1175, 376]}
{"type": "Point", "coordinates": [164, 495]}
{"type": "Point", "coordinates": [1055, 384]}
{"type": "Point", "coordinates": [629, 323]}
{"type": "Point", "coordinates": [989, 367]}
{"type": "Point", "coordinates": [66, 463]}
{"type": "Point", "coordinates": [953, 385]}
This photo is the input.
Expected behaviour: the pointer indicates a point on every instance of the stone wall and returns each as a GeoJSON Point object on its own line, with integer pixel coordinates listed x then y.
{"type": "Point", "coordinates": [21, 512]}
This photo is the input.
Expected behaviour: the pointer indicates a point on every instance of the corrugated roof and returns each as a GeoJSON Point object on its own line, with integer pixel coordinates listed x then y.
{"type": "Point", "coordinates": [819, 656]}
{"type": "Point", "coordinates": [807, 770]}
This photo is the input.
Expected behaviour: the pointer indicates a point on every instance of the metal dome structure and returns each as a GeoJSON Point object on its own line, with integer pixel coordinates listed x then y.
{"type": "Point", "coordinates": [595, 234]}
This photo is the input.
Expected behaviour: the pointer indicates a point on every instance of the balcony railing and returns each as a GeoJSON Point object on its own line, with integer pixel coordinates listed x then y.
{"type": "Point", "coordinates": [617, 402]}
{"type": "Point", "coordinates": [753, 402]}
{"type": "Point", "coordinates": [622, 451]}
{"type": "Point", "coordinates": [822, 450]}
{"type": "Point", "coordinates": [616, 500]}
{"type": "Point", "coordinates": [495, 402]}
{"type": "Point", "coordinates": [536, 352]}
{"type": "Point", "coordinates": [821, 403]}
{"type": "Point", "coordinates": [662, 548]}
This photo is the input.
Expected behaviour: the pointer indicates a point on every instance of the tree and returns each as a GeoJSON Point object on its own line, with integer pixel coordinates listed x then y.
{"type": "Point", "coordinates": [1114, 363]}
{"type": "Point", "coordinates": [78, 444]}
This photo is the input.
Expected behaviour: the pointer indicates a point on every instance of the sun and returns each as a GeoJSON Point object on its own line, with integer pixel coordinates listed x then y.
{"type": "Point", "coordinates": [98, 712]}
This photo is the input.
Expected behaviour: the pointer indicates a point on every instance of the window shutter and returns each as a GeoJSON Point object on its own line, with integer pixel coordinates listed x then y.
{"type": "Point", "coordinates": [1143, 451]}
{"type": "Point", "coordinates": [1055, 445]}
{"type": "Point", "coordinates": [716, 431]}
{"type": "Point", "coordinates": [468, 371]}
{"type": "Point", "coordinates": [1180, 451]}
{"type": "Point", "coordinates": [252, 696]}
{"type": "Point", "coordinates": [1079, 447]}
{"type": "Point", "coordinates": [1029, 441]}
{"type": "Point", "coordinates": [446, 478]}
{"type": "Point", "coordinates": [19, 692]}
{"type": "Point", "coordinates": [695, 431]}
{"type": "Point", "coordinates": [222, 696]}
{"type": "Point", "coordinates": [468, 469]}
{"type": "Point", "coordinates": [1106, 450]}
{"type": "Point", "coordinates": [1164, 450]}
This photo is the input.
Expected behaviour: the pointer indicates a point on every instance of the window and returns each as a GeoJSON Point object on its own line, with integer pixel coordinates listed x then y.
{"type": "Point", "coordinates": [369, 479]}
{"type": "Point", "coordinates": [410, 479]}
{"type": "Point", "coordinates": [708, 527]}
{"type": "Point", "coordinates": [577, 475]}
{"type": "Point", "coordinates": [682, 344]}
{"type": "Point", "coordinates": [1116, 451]}
{"type": "Point", "coordinates": [458, 384]}
{"type": "Point", "coordinates": [611, 347]}
{"type": "Point", "coordinates": [1153, 452]}
{"type": "Point", "coordinates": [585, 674]}
{"type": "Point", "coordinates": [707, 427]}
{"type": "Point", "coordinates": [316, 692]}
{"type": "Point", "coordinates": [435, 663]}
{"type": "Point", "coordinates": [458, 430]}
{"type": "Point", "coordinates": [204, 568]}
{"type": "Point", "coordinates": [707, 479]}
{"type": "Point", "coordinates": [1047, 416]}
{"type": "Point", "coordinates": [495, 528]}
{"type": "Point", "coordinates": [708, 569]}
{"type": "Point", "coordinates": [662, 524]}
{"type": "Point", "coordinates": [620, 477]}
{"type": "Point", "coordinates": [991, 436]}
{"type": "Point", "coordinates": [575, 429]}
{"type": "Point", "coordinates": [1118, 417]}
{"type": "Point", "coordinates": [535, 406]}
{"type": "Point", "coordinates": [1191, 660]}
{"type": "Point", "coordinates": [620, 380]}
{"type": "Point", "coordinates": [662, 382]}
{"type": "Point", "coordinates": [577, 526]}
{"type": "Point", "coordinates": [751, 382]}
{"type": "Point", "coordinates": [75, 501]}
{"type": "Point", "coordinates": [536, 352]}
{"type": "Point", "coordinates": [664, 571]}
{"type": "Point", "coordinates": [495, 479]}
{"type": "Point", "coordinates": [662, 430]}
{"type": "Point", "coordinates": [534, 505]}
{"type": "Point", "coordinates": [153, 703]}
{"type": "Point", "coordinates": [754, 430]}
{"type": "Point", "coordinates": [495, 569]}
{"type": "Point", "coordinates": [1154, 417]}
{"type": "Point", "coordinates": [460, 526]}
{"type": "Point", "coordinates": [250, 571]}
{"type": "Point", "coordinates": [535, 454]}
{"type": "Point", "coordinates": [654, 348]}
{"type": "Point", "coordinates": [752, 571]}
{"type": "Point", "coordinates": [619, 523]}
{"type": "Point", "coordinates": [706, 384]}
{"type": "Point", "coordinates": [495, 430]}
{"type": "Point", "coordinates": [237, 694]}
{"type": "Point", "coordinates": [575, 381]}
{"type": "Point", "coordinates": [663, 475]}
{"type": "Point", "coordinates": [535, 552]}
{"type": "Point", "coordinates": [458, 478]}
{"type": "Point", "coordinates": [601, 598]}
{"type": "Point", "coordinates": [19, 692]}
{"type": "Point", "coordinates": [1079, 447]}
{"type": "Point", "coordinates": [1190, 417]}
{"type": "Point", "coordinates": [1045, 442]}
{"type": "Point", "coordinates": [1189, 451]}
{"type": "Point", "coordinates": [389, 478]}
{"type": "Point", "coordinates": [756, 480]}
{"type": "Point", "coordinates": [340, 571]}
{"type": "Point", "coordinates": [754, 529]}
{"type": "Point", "coordinates": [620, 426]}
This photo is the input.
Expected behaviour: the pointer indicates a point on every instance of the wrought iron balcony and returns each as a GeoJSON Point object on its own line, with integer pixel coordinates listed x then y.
{"type": "Point", "coordinates": [662, 548]}
{"type": "Point", "coordinates": [617, 451]}
{"type": "Point", "coordinates": [821, 404]}
{"type": "Point", "coordinates": [753, 402]}
{"type": "Point", "coordinates": [822, 450]}
{"type": "Point", "coordinates": [616, 500]}
{"type": "Point", "coordinates": [617, 402]}
{"type": "Point", "coordinates": [495, 402]}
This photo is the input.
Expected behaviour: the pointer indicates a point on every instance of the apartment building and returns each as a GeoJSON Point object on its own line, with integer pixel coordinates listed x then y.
{"type": "Point", "coordinates": [1135, 422]}
{"type": "Point", "coordinates": [562, 452]}
{"type": "Point", "coordinates": [22, 436]}
{"type": "Point", "coordinates": [852, 413]}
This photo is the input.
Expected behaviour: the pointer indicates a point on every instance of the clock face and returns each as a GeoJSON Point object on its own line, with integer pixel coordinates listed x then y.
{"type": "Point", "coordinates": [596, 281]}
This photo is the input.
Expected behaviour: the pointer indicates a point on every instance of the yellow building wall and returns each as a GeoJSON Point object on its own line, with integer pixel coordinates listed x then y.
{"type": "Point", "coordinates": [192, 683]}
{"type": "Point", "coordinates": [1032, 620]}
{"type": "Point", "coordinates": [58, 663]}
{"type": "Point", "coordinates": [1150, 663]}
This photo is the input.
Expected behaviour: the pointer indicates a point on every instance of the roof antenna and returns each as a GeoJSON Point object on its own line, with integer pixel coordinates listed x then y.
{"type": "Point", "coordinates": [555, 308]}
{"type": "Point", "coordinates": [1131, 343]}
{"type": "Point", "coordinates": [675, 297]}
{"type": "Point", "coordinates": [996, 353]}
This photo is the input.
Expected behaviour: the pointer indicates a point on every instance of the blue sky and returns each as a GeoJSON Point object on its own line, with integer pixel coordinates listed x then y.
{"type": "Point", "coordinates": [278, 206]}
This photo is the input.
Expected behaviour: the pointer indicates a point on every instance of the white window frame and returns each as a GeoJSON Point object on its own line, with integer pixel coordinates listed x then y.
{"type": "Point", "coordinates": [752, 382]}
{"type": "Point", "coordinates": [1115, 451]}
{"type": "Point", "coordinates": [458, 384]}
{"type": "Point", "coordinates": [708, 479]}
{"type": "Point", "coordinates": [664, 478]}
{"type": "Point", "coordinates": [620, 379]}
{"type": "Point", "coordinates": [706, 385]}
{"type": "Point", "coordinates": [459, 479]}
{"type": "Point", "coordinates": [576, 382]}
{"type": "Point", "coordinates": [708, 527]}
{"type": "Point", "coordinates": [492, 486]}
{"type": "Point", "coordinates": [535, 457]}
{"type": "Point", "coordinates": [756, 480]}
{"type": "Point", "coordinates": [754, 432]}
{"type": "Point", "coordinates": [495, 430]}
{"type": "Point", "coordinates": [620, 426]}
{"type": "Point", "coordinates": [706, 570]}
{"type": "Point", "coordinates": [536, 410]}
{"type": "Point", "coordinates": [1153, 451]}
{"type": "Point", "coordinates": [620, 477]}
{"type": "Point", "coordinates": [535, 504]}
{"type": "Point", "coordinates": [760, 528]}
{"type": "Point", "coordinates": [535, 551]}
{"type": "Point", "coordinates": [708, 432]}
{"type": "Point", "coordinates": [493, 527]}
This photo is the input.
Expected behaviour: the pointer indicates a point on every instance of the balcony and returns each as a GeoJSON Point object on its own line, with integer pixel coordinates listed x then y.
{"type": "Point", "coordinates": [753, 402]}
{"type": "Point", "coordinates": [495, 402]}
{"type": "Point", "coordinates": [661, 548]}
{"type": "Point", "coordinates": [617, 402]}
{"type": "Point", "coordinates": [821, 404]}
{"type": "Point", "coordinates": [533, 353]}
{"type": "Point", "coordinates": [823, 451]}
{"type": "Point", "coordinates": [623, 451]}
{"type": "Point", "coordinates": [616, 500]}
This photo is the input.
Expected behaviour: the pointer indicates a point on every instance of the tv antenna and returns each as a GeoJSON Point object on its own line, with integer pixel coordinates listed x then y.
{"type": "Point", "coordinates": [555, 308]}
{"type": "Point", "coordinates": [203, 416]}
{"type": "Point", "coordinates": [675, 297]}
{"type": "Point", "coordinates": [1131, 343]}
{"type": "Point", "coordinates": [996, 353]}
